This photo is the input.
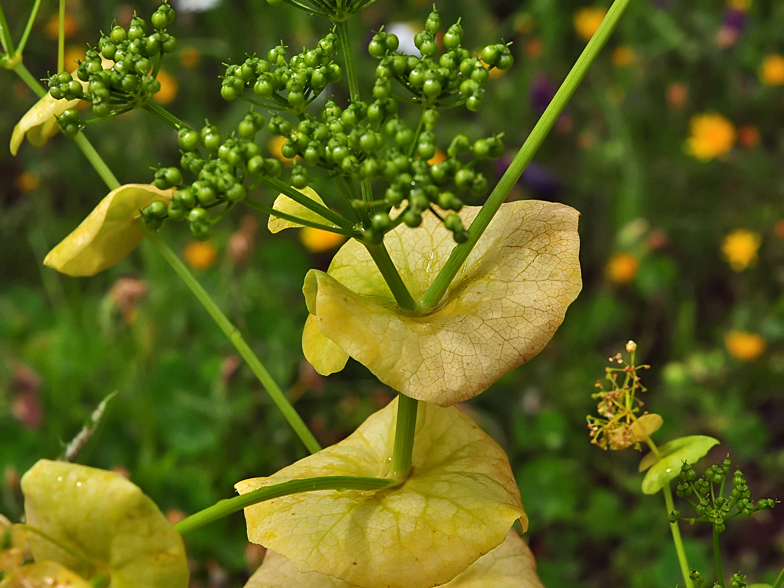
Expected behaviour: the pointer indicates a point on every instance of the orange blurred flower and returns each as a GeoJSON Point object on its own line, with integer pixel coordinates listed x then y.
{"type": "Point", "coordinates": [168, 89]}
{"type": "Point", "coordinates": [623, 56]}
{"type": "Point", "coordinates": [189, 57]}
{"type": "Point", "coordinates": [200, 254]}
{"type": "Point", "coordinates": [712, 135]}
{"type": "Point", "coordinates": [534, 47]}
{"type": "Point", "coordinates": [439, 157]}
{"type": "Point", "coordinates": [744, 346]}
{"type": "Point", "coordinates": [587, 21]}
{"type": "Point", "coordinates": [622, 268]}
{"type": "Point", "coordinates": [677, 94]}
{"type": "Point", "coordinates": [52, 28]}
{"type": "Point", "coordinates": [740, 248]}
{"type": "Point", "coordinates": [274, 146]}
{"type": "Point", "coordinates": [772, 70]}
{"type": "Point", "coordinates": [318, 241]}
{"type": "Point", "coordinates": [27, 182]}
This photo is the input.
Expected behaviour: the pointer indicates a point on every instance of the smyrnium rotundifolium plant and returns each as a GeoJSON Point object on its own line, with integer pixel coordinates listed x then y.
{"type": "Point", "coordinates": [436, 298]}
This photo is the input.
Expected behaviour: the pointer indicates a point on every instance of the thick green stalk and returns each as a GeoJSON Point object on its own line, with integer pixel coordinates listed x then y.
{"type": "Point", "coordinates": [307, 202]}
{"type": "Point", "coordinates": [97, 161]}
{"type": "Point", "coordinates": [154, 108]}
{"type": "Point", "coordinates": [717, 557]}
{"type": "Point", "coordinates": [348, 57]}
{"type": "Point", "coordinates": [676, 537]}
{"type": "Point", "coordinates": [27, 78]}
{"type": "Point", "coordinates": [431, 298]}
{"type": "Point", "coordinates": [392, 277]}
{"type": "Point", "coordinates": [404, 436]}
{"type": "Point", "coordinates": [277, 395]}
{"type": "Point", "coordinates": [230, 505]}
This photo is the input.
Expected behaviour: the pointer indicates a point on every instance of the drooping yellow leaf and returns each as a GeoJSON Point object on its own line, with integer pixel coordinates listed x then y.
{"type": "Point", "coordinates": [40, 122]}
{"type": "Point", "coordinates": [510, 565]}
{"type": "Point", "coordinates": [500, 311]}
{"type": "Point", "coordinates": [44, 574]}
{"type": "Point", "coordinates": [110, 232]}
{"type": "Point", "coordinates": [322, 353]}
{"type": "Point", "coordinates": [672, 455]}
{"type": "Point", "coordinates": [106, 518]}
{"type": "Point", "coordinates": [285, 204]}
{"type": "Point", "coordinates": [457, 505]}
{"type": "Point", "coordinates": [645, 426]}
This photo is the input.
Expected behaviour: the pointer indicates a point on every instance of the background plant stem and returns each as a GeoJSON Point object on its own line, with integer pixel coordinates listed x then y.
{"type": "Point", "coordinates": [230, 505]}
{"type": "Point", "coordinates": [239, 343]}
{"type": "Point", "coordinates": [431, 298]}
{"type": "Point", "coordinates": [717, 557]}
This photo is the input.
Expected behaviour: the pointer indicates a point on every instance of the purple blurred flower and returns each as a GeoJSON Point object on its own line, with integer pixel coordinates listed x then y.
{"type": "Point", "coordinates": [542, 92]}
{"type": "Point", "coordinates": [734, 20]}
{"type": "Point", "coordinates": [540, 181]}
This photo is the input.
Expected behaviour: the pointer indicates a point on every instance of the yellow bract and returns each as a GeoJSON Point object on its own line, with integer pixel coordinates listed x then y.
{"type": "Point", "coordinates": [510, 565]}
{"type": "Point", "coordinates": [106, 518]}
{"type": "Point", "coordinates": [40, 122]}
{"type": "Point", "coordinates": [285, 204]}
{"type": "Point", "coordinates": [44, 574]}
{"type": "Point", "coordinates": [500, 311]}
{"type": "Point", "coordinates": [108, 234]}
{"type": "Point", "coordinates": [458, 504]}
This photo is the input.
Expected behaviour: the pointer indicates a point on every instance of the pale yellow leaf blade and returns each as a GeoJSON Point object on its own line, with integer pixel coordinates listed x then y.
{"type": "Point", "coordinates": [322, 353]}
{"type": "Point", "coordinates": [510, 565]}
{"type": "Point", "coordinates": [44, 574]}
{"type": "Point", "coordinates": [40, 122]}
{"type": "Point", "coordinates": [108, 519]}
{"type": "Point", "coordinates": [458, 504]}
{"type": "Point", "coordinates": [500, 311]}
{"type": "Point", "coordinates": [285, 204]}
{"type": "Point", "coordinates": [110, 232]}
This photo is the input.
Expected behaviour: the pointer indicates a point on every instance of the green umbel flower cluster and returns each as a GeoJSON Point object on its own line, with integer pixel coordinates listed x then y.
{"type": "Point", "coordinates": [120, 74]}
{"type": "Point", "coordinates": [709, 502]}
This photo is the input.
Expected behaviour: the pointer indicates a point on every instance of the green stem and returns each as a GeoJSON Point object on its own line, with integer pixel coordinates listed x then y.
{"type": "Point", "coordinates": [717, 557]}
{"type": "Point", "coordinates": [230, 505]}
{"type": "Point", "coordinates": [289, 217]}
{"type": "Point", "coordinates": [676, 537]}
{"type": "Point", "coordinates": [28, 27]}
{"type": "Point", "coordinates": [392, 277]}
{"type": "Point", "coordinates": [97, 162]}
{"type": "Point", "coordinates": [348, 57]}
{"type": "Point", "coordinates": [27, 78]}
{"type": "Point", "coordinates": [404, 436]}
{"type": "Point", "coordinates": [5, 36]}
{"type": "Point", "coordinates": [780, 580]}
{"type": "Point", "coordinates": [61, 38]}
{"type": "Point", "coordinates": [437, 289]}
{"type": "Point", "coordinates": [300, 198]}
{"type": "Point", "coordinates": [154, 108]}
{"type": "Point", "coordinates": [239, 343]}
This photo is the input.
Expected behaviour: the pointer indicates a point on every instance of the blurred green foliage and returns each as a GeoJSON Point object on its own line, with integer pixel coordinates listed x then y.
{"type": "Point", "coordinates": [190, 421]}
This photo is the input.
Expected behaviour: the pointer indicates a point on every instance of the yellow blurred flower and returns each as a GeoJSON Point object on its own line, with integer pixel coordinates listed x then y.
{"type": "Point", "coordinates": [744, 346]}
{"type": "Point", "coordinates": [623, 56]}
{"type": "Point", "coordinates": [168, 89]}
{"type": "Point", "coordinates": [622, 268]}
{"type": "Point", "coordinates": [200, 254]}
{"type": "Point", "coordinates": [740, 248]}
{"type": "Point", "coordinates": [742, 5]}
{"type": "Point", "coordinates": [73, 54]}
{"type": "Point", "coordinates": [712, 135]}
{"type": "Point", "coordinates": [772, 70]}
{"type": "Point", "coordinates": [587, 21]}
{"type": "Point", "coordinates": [318, 241]}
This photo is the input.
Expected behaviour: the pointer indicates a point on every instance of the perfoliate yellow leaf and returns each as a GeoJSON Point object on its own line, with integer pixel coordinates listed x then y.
{"type": "Point", "coordinates": [322, 353]}
{"type": "Point", "coordinates": [44, 574]}
{"type": "Point", "coordinates": [285, 204]}
{"type": "Point", "coordinates": [645, 426]}
{"type": "Point", "coordinates": [106, 518]}
{"type": "Point", "coordinates": [458, 504]}
{"type": "Point", "coordinates": [108, 234]}
{"type": "Point", "coordinates": [673, 454]}
{"type": "Point", "coordinates": [40, 122]}
{"type": "Point", "coordinates": [510, 565]}
{"type": "Point", "coordinates": [500, 311]}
